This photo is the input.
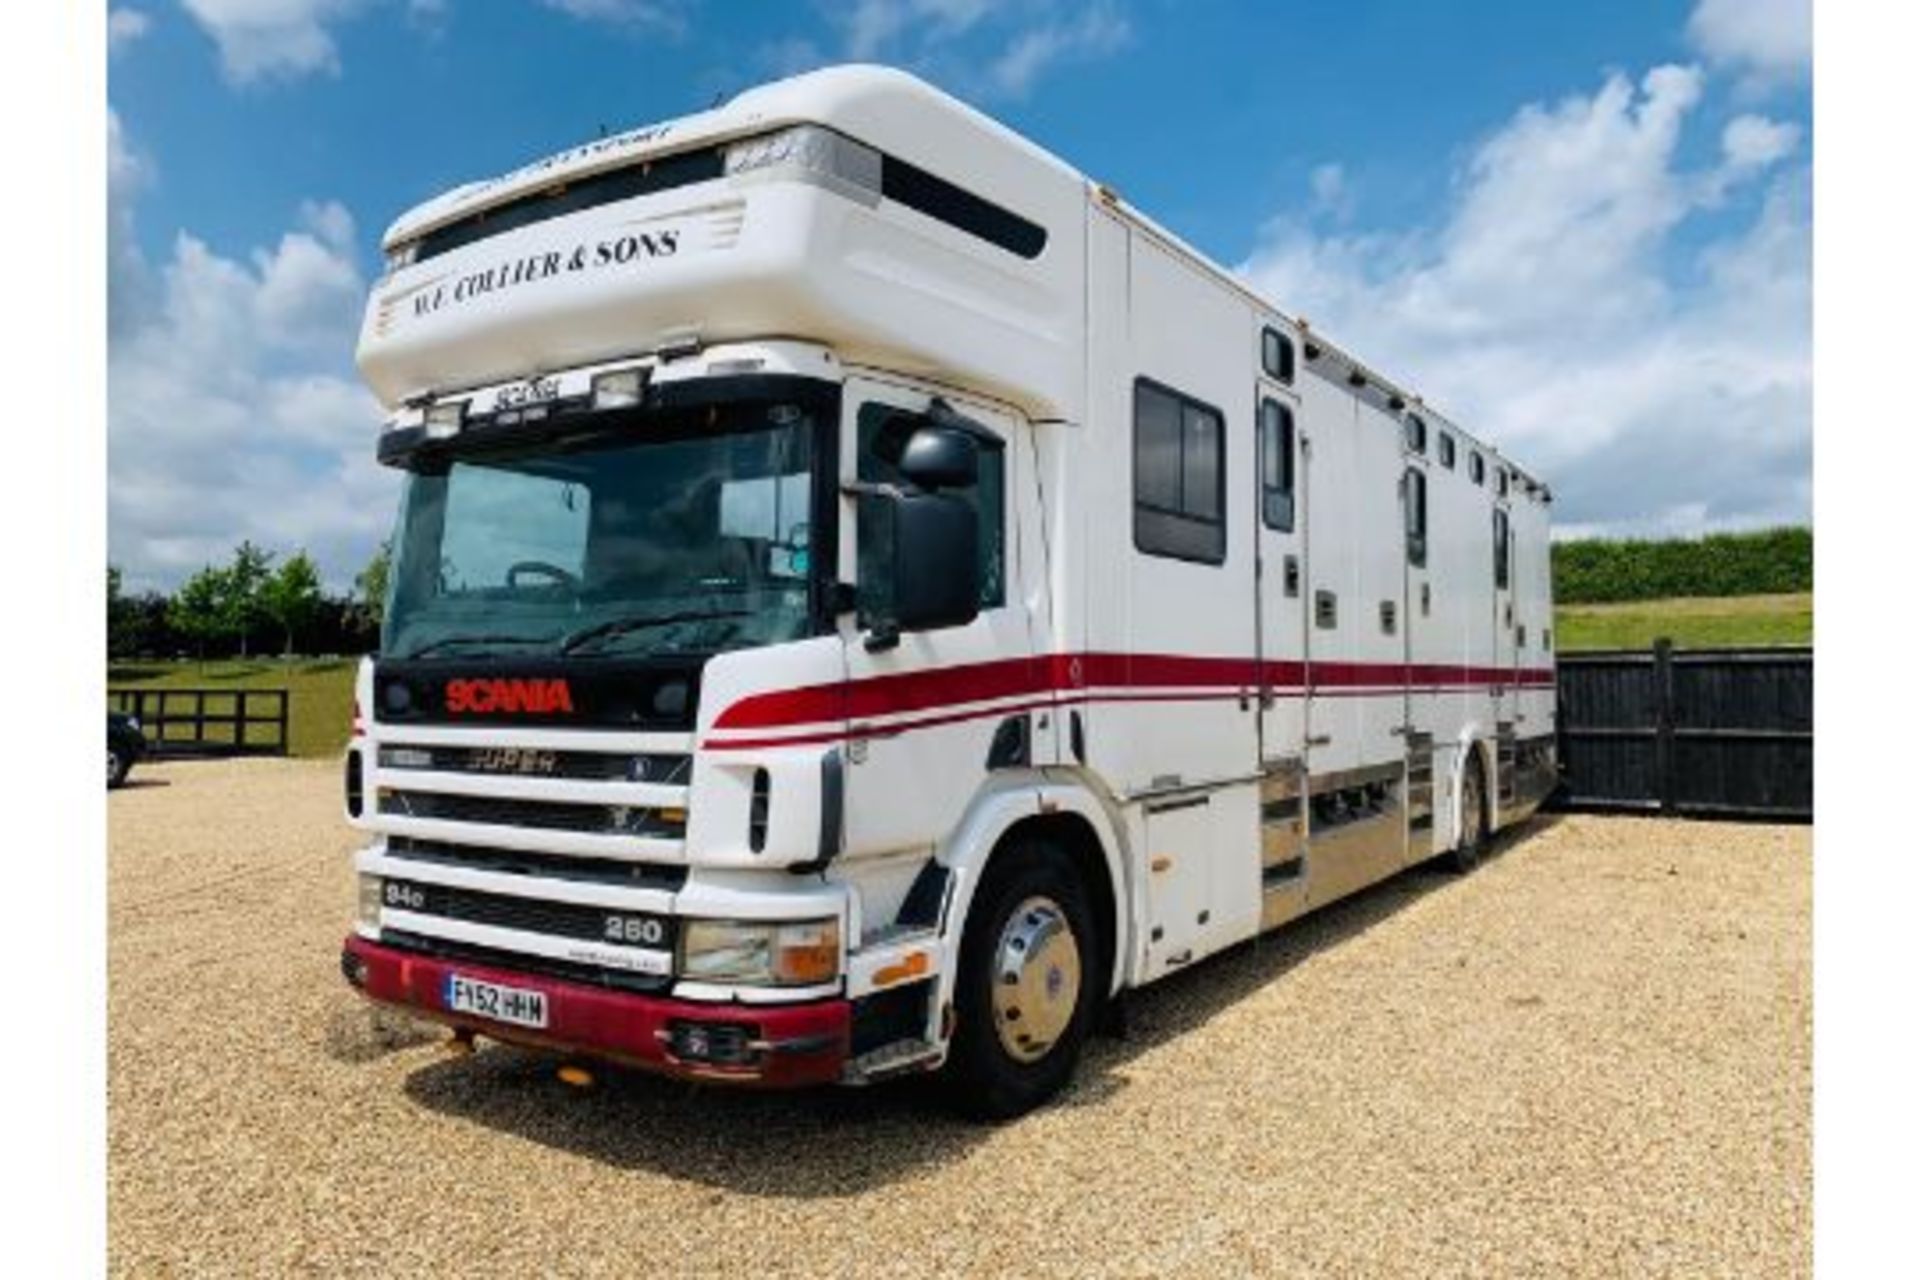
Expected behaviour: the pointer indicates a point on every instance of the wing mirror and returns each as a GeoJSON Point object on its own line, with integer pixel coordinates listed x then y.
{"type": "Point", "coordinates": [940, 457]}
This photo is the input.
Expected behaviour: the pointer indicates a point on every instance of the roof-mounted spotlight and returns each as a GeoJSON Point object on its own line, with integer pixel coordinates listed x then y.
{"type": "Point", "coordinates": [1355, 378]}
{"type": "Point", "coordinates": [1396, 403]}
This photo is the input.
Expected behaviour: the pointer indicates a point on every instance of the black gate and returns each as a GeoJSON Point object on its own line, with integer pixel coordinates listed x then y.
{"type": "Point", "coordinates": [1697, 732]}
{"type": "Point", "coordinates": [208, 722]}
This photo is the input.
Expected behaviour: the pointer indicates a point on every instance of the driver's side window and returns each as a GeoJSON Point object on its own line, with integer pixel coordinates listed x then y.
{"type": "Point", "coordinates": [882, 431]}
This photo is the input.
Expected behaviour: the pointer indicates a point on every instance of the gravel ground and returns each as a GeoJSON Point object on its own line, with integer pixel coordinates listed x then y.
{"type": "Point", "coordinates": [1591, 1057]}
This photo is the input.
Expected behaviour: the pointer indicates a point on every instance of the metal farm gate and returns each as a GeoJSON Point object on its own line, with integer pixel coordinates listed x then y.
{"type": "Point", "coordinates": [208, 722]}
{"type": "Point", "coordinates": [1693, 732]}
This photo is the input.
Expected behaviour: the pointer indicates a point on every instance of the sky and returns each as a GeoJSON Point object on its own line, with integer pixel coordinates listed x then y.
{"type": "Point", "coordinates": [1581, 230]}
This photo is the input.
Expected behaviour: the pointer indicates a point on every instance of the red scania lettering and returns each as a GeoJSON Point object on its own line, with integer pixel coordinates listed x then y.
{"type": "Point", "coordinates": [508, 697]}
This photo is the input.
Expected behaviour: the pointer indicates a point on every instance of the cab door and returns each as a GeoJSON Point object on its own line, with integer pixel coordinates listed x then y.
{"type": "Point", "coordinates": [929, 714]}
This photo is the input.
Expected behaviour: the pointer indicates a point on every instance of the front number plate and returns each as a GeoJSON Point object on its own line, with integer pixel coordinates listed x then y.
{"type": "Point", "coordinates": [517, 1005]}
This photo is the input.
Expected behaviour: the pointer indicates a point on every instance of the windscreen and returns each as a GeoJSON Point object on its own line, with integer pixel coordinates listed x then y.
{"type": "Point", "coordinates": [689, 534]}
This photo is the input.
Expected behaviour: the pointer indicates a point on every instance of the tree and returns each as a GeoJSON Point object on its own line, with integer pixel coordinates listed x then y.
{"type": "Point", "coordinates": [291, 596]}
{"type": "Point", "coordinates": [121, 619]}
{"type": "Point", "coordinates": [242, 606]}
{"type": "Point", "coordinates": [197, 609]}
{"type": "Point", "coordinates": [370, 586]}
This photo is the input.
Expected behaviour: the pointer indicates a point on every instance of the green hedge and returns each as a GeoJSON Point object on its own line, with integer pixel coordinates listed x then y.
{"type": "Point", "coordinates": [1599, 570]}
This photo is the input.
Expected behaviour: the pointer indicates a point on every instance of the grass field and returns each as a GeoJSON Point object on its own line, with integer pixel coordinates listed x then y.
{"type": "Point", "coordinates": [1706, 623]}
{"type": "Point", "coordinates": [322, 689]}
{"type": "Point", "coordinates": [321, 694]}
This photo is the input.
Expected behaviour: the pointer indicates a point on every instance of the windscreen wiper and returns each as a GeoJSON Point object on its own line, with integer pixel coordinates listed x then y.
{"type": "Point", "coordinates": [433, 645]}
{"type": "Point", "coordinates": [619, 626]}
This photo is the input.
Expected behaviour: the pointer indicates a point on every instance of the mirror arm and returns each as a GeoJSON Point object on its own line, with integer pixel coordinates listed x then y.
{"type": "Point", "coordinates": [871, 489]}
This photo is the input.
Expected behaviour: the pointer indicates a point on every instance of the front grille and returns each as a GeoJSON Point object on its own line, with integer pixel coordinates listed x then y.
{"type": "Point", "coordinates": [552, 866]}
{"type": "Point", "coordinates": [546, 815]}
{"type": "Point", "coordinates": [566, 970]}
{"type": "Point", "coordinates": [558, 919]}
{"type": "Point", "coordinates": [526, 762]}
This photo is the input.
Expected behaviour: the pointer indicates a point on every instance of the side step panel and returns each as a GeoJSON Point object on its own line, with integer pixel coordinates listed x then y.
{"type": "Point", "coordinates": [1283, 844]}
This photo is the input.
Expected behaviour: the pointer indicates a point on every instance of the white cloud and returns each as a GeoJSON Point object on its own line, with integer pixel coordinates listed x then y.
{"type": "Point", "coordinates": [1770, 40]}
{"type": "Point", "coordinates": [232, 407]}
{"type": "Point", "coordinates": [1032, 52]}
{"type": "Point", "coordinates": [1656, 374]}
{"type": "Point", "coordinates": [980, 48]}
{"type": "Point", "coordinates": [1755, 142]}
{"type": "Point", "coordinates": [124, 26]}
{"type": "Point", "coordinates": [127, 282]}
{"type": "Point", "coordinates": [267, 39]}
{"type": "Point", "coordinates": [661, 14]}
{"type": "Point", "coordinates": [1332, 193]}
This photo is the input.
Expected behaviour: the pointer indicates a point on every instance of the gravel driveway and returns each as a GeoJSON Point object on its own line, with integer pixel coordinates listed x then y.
{"type": "Point", "coordinates": [1593, 1056]}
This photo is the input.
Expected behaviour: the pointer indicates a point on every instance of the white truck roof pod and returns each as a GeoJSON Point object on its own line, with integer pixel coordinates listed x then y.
{"type": "Point", "coordinates": [748, 262]}
{"type": "Point", "coordinates": [878, 105]}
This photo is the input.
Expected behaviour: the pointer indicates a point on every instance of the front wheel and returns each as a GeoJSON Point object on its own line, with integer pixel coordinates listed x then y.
{"type": "Point", "coordinates": [1030, 977]}
{"type": "Point", "coordinates": [118, 766]}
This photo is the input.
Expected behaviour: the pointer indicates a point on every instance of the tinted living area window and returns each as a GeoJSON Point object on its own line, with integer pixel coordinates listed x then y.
{"type": "Point", "coordinates": [1179, 476]}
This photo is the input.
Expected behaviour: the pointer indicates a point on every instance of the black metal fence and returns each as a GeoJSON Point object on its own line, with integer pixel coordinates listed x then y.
{"type": "Point", "coordinates": [208, 722]}
{"type": "Point", "coordinates": [1694, 732]}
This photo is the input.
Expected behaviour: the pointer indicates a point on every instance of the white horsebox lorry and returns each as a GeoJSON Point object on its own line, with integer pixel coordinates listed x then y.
{"type": "Point", "coordinates": [865, 597]}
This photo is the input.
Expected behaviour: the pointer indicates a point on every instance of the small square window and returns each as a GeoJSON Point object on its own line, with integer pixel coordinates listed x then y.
{"type": "Point", "coordinates": [1276, 355]}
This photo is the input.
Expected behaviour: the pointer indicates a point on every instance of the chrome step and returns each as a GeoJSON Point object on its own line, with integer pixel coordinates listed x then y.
{"type": "Point", "coordinates": [889, 1060]}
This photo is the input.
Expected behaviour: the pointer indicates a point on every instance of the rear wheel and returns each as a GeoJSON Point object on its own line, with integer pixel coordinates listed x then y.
{"type": "Point", "coordinates": [1030, 978]}
{"type": "Point", "coordinates": [118, 766]}
{"type": "Point", "coordinates": [1466, 855]}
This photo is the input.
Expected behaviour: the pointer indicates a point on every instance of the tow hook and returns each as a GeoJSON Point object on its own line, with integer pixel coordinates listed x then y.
{"type": "Point", "coordinates": [459, 1044]}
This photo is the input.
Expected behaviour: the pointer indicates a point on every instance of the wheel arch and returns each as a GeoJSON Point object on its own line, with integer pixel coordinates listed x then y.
{"type": "Point", "coordinates": [1472, 750]}
{"type": "Point", "coordinates": [1068, 817]}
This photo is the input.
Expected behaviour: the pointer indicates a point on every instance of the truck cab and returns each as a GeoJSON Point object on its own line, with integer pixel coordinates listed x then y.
{"type": "Point", "coordinates": [715, 484]}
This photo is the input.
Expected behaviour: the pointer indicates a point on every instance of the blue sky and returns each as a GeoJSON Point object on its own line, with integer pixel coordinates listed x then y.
{"type": "Point", "coordinates": [1582, 229]}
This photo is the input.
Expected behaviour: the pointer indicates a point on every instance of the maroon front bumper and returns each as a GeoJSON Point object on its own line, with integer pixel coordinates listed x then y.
{"type": "Point", "coordinates": [793, 1045]}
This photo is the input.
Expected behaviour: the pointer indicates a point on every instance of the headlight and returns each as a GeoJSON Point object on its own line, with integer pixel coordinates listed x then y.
{"type": "Point", "coordinates": [810, 153]}
{"type": "Point", "coordinates": [369, 910]}
{"type": "Point", "coordinates": [133, 723]}
{"type": "Point", "coordinates": [782, 954]}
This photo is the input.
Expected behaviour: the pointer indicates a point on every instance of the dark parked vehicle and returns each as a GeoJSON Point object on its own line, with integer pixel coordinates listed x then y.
{"type": "Point", "coordinates": [125, 745]}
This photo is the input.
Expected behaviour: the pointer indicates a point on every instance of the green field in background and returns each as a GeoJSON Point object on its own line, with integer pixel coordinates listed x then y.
{"type": "Point", "coordinates": [1706, 623]}
{"type": "Point", "coordinates": [320, 703]}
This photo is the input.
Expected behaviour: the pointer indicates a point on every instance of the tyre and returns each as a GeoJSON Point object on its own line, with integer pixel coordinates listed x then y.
{"type": "Point", "coordinates": [1473, 818]}
{"type": "Point", "coordinates": [118, 766]}
{"type": "Point", "coordinates": [1030, 982]}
